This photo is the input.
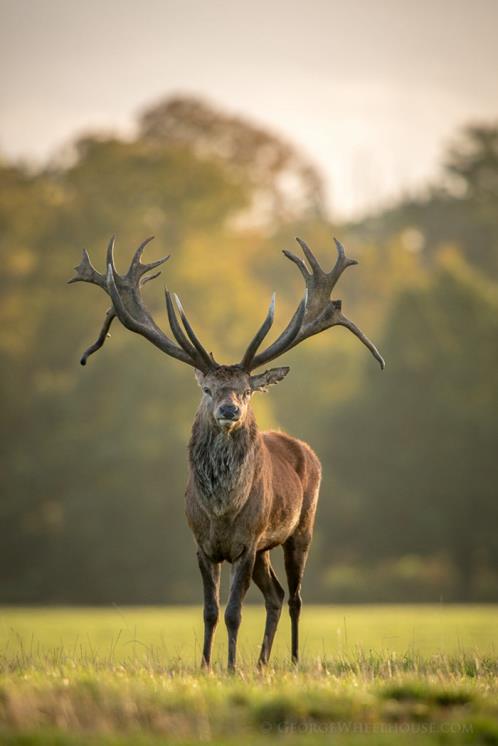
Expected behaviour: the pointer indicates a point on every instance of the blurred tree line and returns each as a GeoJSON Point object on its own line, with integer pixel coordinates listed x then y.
{"type": "Point", "coordinates": [93, 460]}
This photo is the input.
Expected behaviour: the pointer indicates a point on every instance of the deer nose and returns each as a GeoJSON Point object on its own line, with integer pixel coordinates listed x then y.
{"type": "Point", "coordinates": [229, 412]}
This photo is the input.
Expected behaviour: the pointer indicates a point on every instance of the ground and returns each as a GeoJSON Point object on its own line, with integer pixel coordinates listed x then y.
{"type": "Point", "coordinates": [378, 675]}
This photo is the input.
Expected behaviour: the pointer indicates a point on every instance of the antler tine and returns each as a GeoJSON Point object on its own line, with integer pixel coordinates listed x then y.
{"type": "Point", "coordinates": [342, 263]}
{"type": "Point", "coordinates": [121, 311]}
{"type": "Point", "coordinates": [207, 359]}
{"type": "Point", "coordinates": [176, 328]}
{"type": "Point", "coordinates": [104, 333]}
{"type": "Point", "coordinates": [143, 268]}
{"type": "Point", "coordinates": [135, 262]}
{"type": "Point", "coordinates": [110, 254]}
{"type": "Point", "coordinates": [299, 262]}
{"type": "Point", "coordinates": [286, 339]}
{"type": "Point", "coordinates": [86, 272]}
{"type": "Point", "coordinates": [259, 336]}
{"type": "Point", "coordinates": [144, 280]}
{"type": "Point", "coordinates": [137, 269]}
{"type": "Point", "coordinates": [315, 267]}
{"type": "Point", "coordinates": [343, 321]}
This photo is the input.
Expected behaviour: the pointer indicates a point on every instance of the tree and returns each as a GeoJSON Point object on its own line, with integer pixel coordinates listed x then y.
{"type": "Point", "coordinates": [284, 183]}
{"type": "Point", "coordinates": [460, 208]}
{"type": "Point", "coordinates": [472, 161]}
{"type": "Point", "coordinates": [419, 452]}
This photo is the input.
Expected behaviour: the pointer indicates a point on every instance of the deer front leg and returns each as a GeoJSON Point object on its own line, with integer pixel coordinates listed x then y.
{"type": "Point", "coordinates": [241, 579]}
{"type": "Point", "coordinates": [210, 572]}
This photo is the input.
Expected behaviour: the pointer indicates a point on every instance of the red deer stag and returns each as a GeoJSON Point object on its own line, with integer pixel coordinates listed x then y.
{"type": "Point", "coordinates": [248, 491]}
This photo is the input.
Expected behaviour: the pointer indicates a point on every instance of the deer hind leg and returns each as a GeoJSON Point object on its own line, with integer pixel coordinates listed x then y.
{"type": "Point", "coordinates": [295, 554]}
{"type": "Point", "coordinates": [267, 582]}
{"type": "Point", "coordinates": [241, 579]}
{"type": "Point", "coordinates": [210, 572]}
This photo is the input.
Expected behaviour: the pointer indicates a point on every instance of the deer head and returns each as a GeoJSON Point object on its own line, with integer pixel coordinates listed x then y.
{"type": "Point", "coordinates": [227, 392]}
{"type": "Point", "coordinates": [227, 389]}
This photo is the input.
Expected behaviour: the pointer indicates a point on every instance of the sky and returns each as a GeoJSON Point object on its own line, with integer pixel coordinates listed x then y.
{"type": "Point", "coordinates": [372, 91]}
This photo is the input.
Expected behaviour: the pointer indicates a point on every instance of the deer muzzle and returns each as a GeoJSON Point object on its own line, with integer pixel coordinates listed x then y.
{"type": "Point", "coordinates": [227, 414]}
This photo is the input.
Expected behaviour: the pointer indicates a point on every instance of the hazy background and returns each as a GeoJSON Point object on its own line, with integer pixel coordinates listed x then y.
{"type": "Point", "coordinates": [225, 131]}
{"type": "Point", "coordinates": [370, 90]}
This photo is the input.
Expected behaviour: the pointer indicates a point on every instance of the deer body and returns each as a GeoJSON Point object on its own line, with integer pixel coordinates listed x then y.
{"type": "Point", "coordinates": [248, 491]}
{"type": "Point", "coordinates": [278, 491]}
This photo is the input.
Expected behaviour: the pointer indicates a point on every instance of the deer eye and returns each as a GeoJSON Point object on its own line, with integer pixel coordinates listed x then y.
{"type": "Point", "coordinates": [247, 392]}
{"type": "Point", "coordinates": [207, 391]}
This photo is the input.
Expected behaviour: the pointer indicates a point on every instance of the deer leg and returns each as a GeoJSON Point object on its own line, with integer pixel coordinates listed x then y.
{"type": "Point", "coordinates": [242, 572]}
{"type": "Point", "coordinates": [267, 582]}
{"type": "Point", "coordinates": [210, 572]}
{"type": "Point", "coordinates": [295, 554]}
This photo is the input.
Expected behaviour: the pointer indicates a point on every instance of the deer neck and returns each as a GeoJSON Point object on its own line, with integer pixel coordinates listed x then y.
{"type": "Point", "coordinates": [223, 463]}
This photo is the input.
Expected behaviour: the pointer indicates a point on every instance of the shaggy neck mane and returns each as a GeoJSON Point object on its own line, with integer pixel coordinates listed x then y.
{"type": "Point", "coordinates": [222, 463]}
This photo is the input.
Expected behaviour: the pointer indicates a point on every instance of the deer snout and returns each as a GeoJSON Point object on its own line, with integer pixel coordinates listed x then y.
{"type": "Point", "coordinates": [229, 412]}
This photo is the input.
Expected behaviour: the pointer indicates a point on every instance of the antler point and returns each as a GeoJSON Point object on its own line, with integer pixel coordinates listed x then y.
{"type": "Point", "coordinates": [110, 250]}
{"type": "Point", "coordinates": [178, 302]}
{"type": "Point", "coordinates": [272, 305]}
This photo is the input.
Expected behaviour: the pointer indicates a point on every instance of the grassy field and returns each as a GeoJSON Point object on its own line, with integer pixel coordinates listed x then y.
{"type": "Point", "coordinates": [376, 675]}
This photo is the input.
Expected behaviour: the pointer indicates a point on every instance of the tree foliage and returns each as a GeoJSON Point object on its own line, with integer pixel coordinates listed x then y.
{"type": "Point", "coordinates": [423, 463]}
{"type": "Point", "coordinates": [458, 210]}
{"type": "Point", "coordinates": [284, 184]}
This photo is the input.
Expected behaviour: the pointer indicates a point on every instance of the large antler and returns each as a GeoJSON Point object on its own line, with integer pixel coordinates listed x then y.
{"type": "Point", "coordinates": [129, 308]}
{"type": "Point", "coordinates": [315, 313]}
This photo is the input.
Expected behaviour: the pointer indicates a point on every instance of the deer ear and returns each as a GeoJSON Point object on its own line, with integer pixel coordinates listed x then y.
{"type": "Point", "coordinates": [199, 376]}
{"type": "Point", "coordinates": [262, 381]}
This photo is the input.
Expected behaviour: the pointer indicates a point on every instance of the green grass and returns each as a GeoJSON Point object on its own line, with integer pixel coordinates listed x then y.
{"type": "Point", "coordinates": [376, 675]}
